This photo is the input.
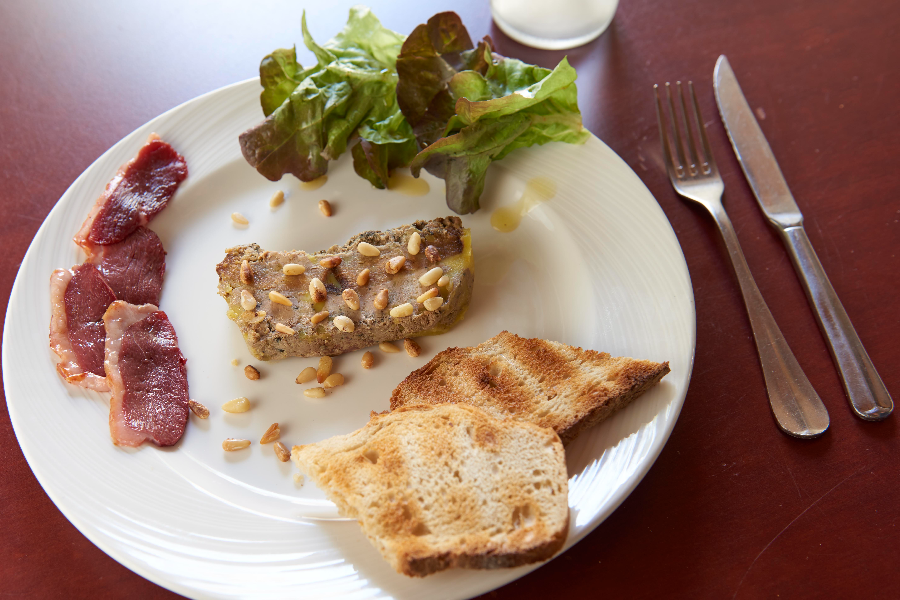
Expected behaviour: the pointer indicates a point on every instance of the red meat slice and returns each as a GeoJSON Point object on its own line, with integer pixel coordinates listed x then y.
{"type": "Point", "coordinates": [139, 190]}
{"type": "Point", "coordinates": [134, 267]}
{"type": "Point", "coordinates": [147, 376]}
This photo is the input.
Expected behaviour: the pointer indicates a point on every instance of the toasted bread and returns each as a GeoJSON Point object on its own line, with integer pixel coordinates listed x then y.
{"type": "Point", "coordinates": [547, 383]}
{"type": "Point", "coordinates": [435, 487]}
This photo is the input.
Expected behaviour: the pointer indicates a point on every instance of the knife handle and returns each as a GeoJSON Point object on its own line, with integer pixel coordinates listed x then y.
{"type": "Point", "coordinates": [796, 405]}
{"type": "Point", "coordinates": [867, 393]}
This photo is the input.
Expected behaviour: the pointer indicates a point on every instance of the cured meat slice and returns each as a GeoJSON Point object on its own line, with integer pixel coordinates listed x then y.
{"type": "Point", "coordinates": [139, 190]}
{"type": "Point", "coordinates": [134, 267]}
{"type": "Point", "coordinates": [79, 297]}
{"type": "Point", "coordinates": [147, 376]}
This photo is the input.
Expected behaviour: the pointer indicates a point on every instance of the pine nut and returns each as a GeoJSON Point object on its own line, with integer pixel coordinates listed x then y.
{"type": "Point", "coordinates": [330, 262]}
{"type": "Point", "coordinates": [351, 298]}
{"type": "Point", "coordinates": [414, 244]}
{"type": "Point", "coordinates": [277, 199]}
{"type": "Point", "coordinates": [411, 347]}
{"type": "Point", "coordinates": [368, 359]}
{"type": "Point", "coordinates": [367, 249]}
{"type": "Point", "coordinates": [284, 329]}
{"type": "Point", "coordinates": [239, 218]}
{"type": "Point", "coordinates": [248, 302]}
{"type": "Point", "coordinates": [345, 324]}
{"type": "Point", "coordinates": [381, 300]}
{"type": "Point", "coordinates": [333, 380]}
{"type": "Point", "coordinates": [325, 207]}
{"type": "Point", "coordinates": [293, 269]}
{"type": "Point", "coordinates": [306, 375]}
{"type": "Point", "coordinates": [282, 452]}
{"type": "Point", "coordinates": [388, 347]}
{"type": "Point", "coordinates": [429, 294]}
{"type": "Point", "coordinates": [232, 444]}
{"type": "Point", "coordinates": [315, 392]}
{"type": "Point", "coordinates": [432, 304]}
{"type": "Point", "coordinates": [432, 254]}
{"type": "Point", "coordinates": [246, 276]}
{"type": "Point", "coordinates": [251, 372]}
{"type": "Point", "coordinates": [431, 277]}
{"type": "Point", "coordinates": [393, 266]}
{"type": "Point", "coordinates": [317, 291]}
{"type": "Point", "coordinates": [279, 298]}
{"type": "Point", "coordinates": [198, 409]}
{"type": "Point", "coordinates": [404, 310]}
{"type": "Point", "coordinates": [444, 281]}
{"type": "Point", "coordinates": [235, 362]}
{"type": "Point", "coordinates": [362, 278]}
{"type": "Point", "coordinates": [271, 434]}
{"type": "Point", "coordinates": [238, 405]}
{"type": "Point", "coordinates": [324, 369]}
{"type": "Point", "coordinates": [319, 317]}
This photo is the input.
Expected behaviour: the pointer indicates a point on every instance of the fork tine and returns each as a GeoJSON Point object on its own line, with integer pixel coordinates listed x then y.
{"type": "Point", "coordinates": [663, 136]}
{"type": "Point", "coordinates": [694, 166]}
{"type": "Point", "coordinates": [710, 161]}
{"type": "Point", "coordinates": [679, 147]}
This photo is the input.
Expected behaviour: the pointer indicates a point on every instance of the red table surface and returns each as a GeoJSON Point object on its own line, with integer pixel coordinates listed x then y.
{"type": "Point", "coordinates": [732, 508]}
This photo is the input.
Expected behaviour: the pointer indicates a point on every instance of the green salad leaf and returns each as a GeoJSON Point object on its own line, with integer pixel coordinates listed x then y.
{"type": "Point", "coordinates": [470, 107]}
{"type": "Point", "coordinates": [312, 113]}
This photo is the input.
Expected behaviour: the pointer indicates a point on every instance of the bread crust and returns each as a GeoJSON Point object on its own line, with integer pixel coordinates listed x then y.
{"type": "Point", "coordinates": [566, 388]}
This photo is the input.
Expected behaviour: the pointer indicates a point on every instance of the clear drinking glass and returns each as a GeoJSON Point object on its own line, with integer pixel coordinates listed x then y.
{"type": "Point", "coordinates": [553, 24]}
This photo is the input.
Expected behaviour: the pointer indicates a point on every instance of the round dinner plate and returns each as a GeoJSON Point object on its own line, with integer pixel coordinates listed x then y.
{"type": "Point", "coordinates": [596, 266]}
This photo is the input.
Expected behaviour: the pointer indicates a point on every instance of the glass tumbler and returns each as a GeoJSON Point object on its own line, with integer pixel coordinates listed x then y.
{"type": "Point", "coordinates": [553, 24]}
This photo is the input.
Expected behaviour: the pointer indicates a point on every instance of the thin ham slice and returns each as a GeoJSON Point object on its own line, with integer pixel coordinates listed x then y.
{"type": "Point", "coordinates": [78, 298]}
{"type": "Point", "coordinates": [135, 195]}
{"type": "Point", "coordinates": [134, 267]}
{"type": "Point", "coordinates": [147, 376]}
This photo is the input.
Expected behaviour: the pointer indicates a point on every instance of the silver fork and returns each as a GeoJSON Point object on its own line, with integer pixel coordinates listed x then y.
{"type": "Point", "coordinates": [795, 404]}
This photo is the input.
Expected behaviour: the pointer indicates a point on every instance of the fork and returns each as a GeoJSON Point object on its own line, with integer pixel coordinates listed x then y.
{"type": "Point", "coordinates": [797, 408]}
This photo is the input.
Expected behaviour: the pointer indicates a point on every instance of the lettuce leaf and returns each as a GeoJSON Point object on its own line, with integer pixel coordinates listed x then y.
{"type": "Point", "coordinates": [311, 114]}
{"type": "Point", "coordinates": [469, 107]}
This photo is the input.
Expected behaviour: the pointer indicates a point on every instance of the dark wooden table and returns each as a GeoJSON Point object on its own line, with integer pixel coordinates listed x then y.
{"type": "Point", "coordinates": [732, 508]}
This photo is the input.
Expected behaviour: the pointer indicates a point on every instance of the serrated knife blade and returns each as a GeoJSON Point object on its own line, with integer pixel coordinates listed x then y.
{"type": "Point", "coordinates": [867, 393]}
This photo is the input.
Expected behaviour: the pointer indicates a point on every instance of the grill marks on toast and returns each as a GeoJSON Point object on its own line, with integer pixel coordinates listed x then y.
{"type": "Point", "coordinates": [550, 384]}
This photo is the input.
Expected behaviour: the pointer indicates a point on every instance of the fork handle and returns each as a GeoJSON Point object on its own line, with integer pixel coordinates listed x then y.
{"type": "Point", "coordinates": [867, 393]}
{"type": "Point", "coordinates": [796, 405]}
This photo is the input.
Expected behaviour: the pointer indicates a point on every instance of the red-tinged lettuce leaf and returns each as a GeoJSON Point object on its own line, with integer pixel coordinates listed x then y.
{"type": "Point", "coordinates": [312, 114]}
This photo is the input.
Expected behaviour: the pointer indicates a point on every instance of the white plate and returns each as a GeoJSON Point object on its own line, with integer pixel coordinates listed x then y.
{"type": "Point", "coordinates": [598, 266]}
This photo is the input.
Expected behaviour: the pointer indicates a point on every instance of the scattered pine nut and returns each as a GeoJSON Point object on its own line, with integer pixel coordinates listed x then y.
{"type": "Point", "coordinates": [333, 380]}
{"type": "Point", "coordinates": [324, 369]}
{"type": "Point", "coordinates": [367, 249]}
{"type": "Point", "coordinates": [432, 304]}
{"type": "Point", "coordinates": [306, 375]}
{"type": "Point", "coordinates": [251, 372]}
{"type": "Point", "coordinates": [317, 291]}
{"type": "Point", "coordinates": [235, 362]}
{"type": "Point", "coordinates": [239, 218]}
{"type": "Point", "coordinates": [351, 298]}
{"type": "Point", "coordinates": [319, 317]}
{"type": "Point", "coordinates": [246, 275]}
{"type": "Point", "coordinates": [363, 277]}
{"type": "Point", "coordinates": [444, 281]}
{"type": "Point", "coordinates": [271, 434]}
{"type": "Point", "coordinates": [282, 452]}
{"type": "Point", "coordinates": [293, 269]}
{"type": "Point", "coordinates": [198, 409]}
{"type": "Point", "coordinates": [280, 327]}
{"type": "Point", "coordinates": [432, 254]}
{"type": "Point", "coordinates": [280, 298]}
{"type": "Point", "coordinates": [330, 262]}
{"type": "Point", "coordinates": [429, 294]}
{"type": "Point", "coordinates": [381, 300]}
{"type": "Point", "coordinates": [277, 199]}
{"type": "Point", "coordinates": [431, 277]}
{"type": "Point", "coordinates": [238, 405]}
{"type": "Point", "coordinates": [404, 310]}
{"type": "Point", "coordinates": [393, 266]}
{"type": "Point", "coordinates": [232, 444]}
{"type": "Point", "coordinates": [411, 347]}
{"type": "Point", "coordinates": [325, 207]}
{"type": "Point", "coordinates": [315, 392]}
{"type": "Point", "coordinates": [388, 347]}
{"type": "Point", "coordinates": [414, 244]}
{"type": "Point", "coordinates": [344, 324]}
{"type": "Point", "coordinates": [368, 359]}
{"type": "Point", "coordinates": [248, 302]}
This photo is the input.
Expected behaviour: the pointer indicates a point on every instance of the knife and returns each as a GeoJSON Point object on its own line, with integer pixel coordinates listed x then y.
{"type": "Point", "coordinates": [868, 396]}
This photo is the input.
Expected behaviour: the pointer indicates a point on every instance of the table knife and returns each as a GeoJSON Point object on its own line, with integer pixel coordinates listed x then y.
{"type": "Point", "coordinates": [868, 395]}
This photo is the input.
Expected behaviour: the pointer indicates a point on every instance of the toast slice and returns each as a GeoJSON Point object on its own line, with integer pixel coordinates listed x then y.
{"type": "Point", "coordinates": [435, 487]}
{"type": "Point", "coordinates": [547, 383]}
